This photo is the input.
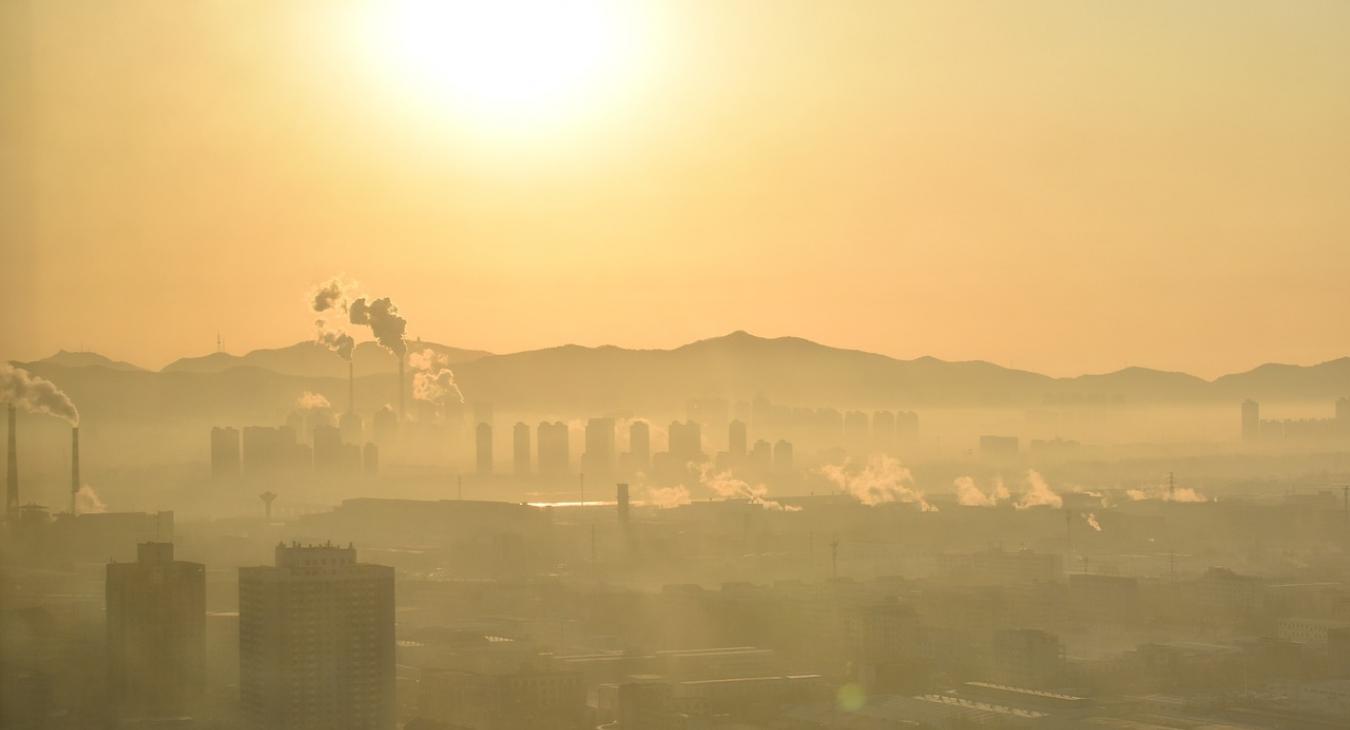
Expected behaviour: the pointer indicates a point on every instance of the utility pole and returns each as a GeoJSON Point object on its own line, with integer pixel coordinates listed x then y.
{"type": "Point", "coordinates": [834, 557]}
{"type": "Point", "coordinates": [1068, 533]}
{"type": "Point", "coordinates": [1171, 488]}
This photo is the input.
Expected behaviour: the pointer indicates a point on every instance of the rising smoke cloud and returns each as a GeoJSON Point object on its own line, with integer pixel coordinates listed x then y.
{"type": "Point", "coordinates": [433, 381]}
{"type": "Point", "coordinates": [726, 486]}
{"type": "Point", "coordinates": [87, 501]}
{"type": "Point", "coordinates": [668, 497]}
{"type": "Point", "coordinates": [36, 394]}
{"type": "Point", "coordinates": [311, 401]}
{"type": "Point", "coordinates": [1163, 494]}
{"type": "Point", "coordinates": [332, 301]}
{"type": "Point", "coordinates": [1039, 493]}
{"type": "Point", "coordinates": [384, 321]}
{"type": "Point", "coordinates": [1091, 519]}
{"type": "Point", "coordinates": [969, 494]}
{"type": "Point", "coordinates": [882, 479]}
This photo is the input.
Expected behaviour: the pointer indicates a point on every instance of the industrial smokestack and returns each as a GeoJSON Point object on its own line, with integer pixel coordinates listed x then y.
{"type": "Point", "coordinates": [402, 414]}
{"type": "Point", "coordinates": [74, 466]}
{"type": "Point", "coordinates": [622, 499]}
{"type": "Point", "coordinates": [1068, 537]}
{"type": "Point", "coordinates": [351, 387]}
{"type": "Point", "coordinates": [12, 466]}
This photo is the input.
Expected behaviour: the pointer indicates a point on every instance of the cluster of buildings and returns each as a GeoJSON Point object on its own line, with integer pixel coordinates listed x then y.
{"type": "Point", "coordinates": [316, 640]}
{"type": "Point", "coordinates": [311, 442]}
{"type": "Point", "coordinates": [601, 458]}
{"type": "Point", "coordinates": [1258, 429]}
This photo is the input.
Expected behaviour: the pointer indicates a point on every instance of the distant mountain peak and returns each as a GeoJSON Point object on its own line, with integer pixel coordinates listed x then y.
{"type": "Point", "coordinates": [83, 359]}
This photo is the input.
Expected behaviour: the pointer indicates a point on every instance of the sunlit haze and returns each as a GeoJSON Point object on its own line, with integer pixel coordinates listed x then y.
{"type": "Point", "coordinates": [675, 364]}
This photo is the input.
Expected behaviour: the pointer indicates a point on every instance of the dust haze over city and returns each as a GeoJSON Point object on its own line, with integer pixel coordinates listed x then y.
{"type": "Point", "coordinates": [675, 365]}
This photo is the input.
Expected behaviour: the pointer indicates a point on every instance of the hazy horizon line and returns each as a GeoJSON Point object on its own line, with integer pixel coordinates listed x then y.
{"type": "Point", "coordinates": [1009, 365]}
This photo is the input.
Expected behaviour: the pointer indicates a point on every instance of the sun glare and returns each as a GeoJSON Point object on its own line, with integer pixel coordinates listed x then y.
{"type": "Point", "coordinates": [508, 63]}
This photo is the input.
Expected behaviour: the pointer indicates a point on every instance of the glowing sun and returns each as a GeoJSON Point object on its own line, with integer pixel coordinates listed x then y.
{"type": "Point", "coordinates": [508, 63]}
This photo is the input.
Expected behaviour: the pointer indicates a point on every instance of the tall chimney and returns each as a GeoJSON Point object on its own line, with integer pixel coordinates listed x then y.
{"type": "Point", "coordinates": [622, 499]}
{"type": "Point", "coordinates": [351, 387]}
{"type": "Point", "coordinates": [74, 465]}
{"type": "Point", "coordinates": [12, 467]}
{"type": "Point", "coordinates": [402, 415]}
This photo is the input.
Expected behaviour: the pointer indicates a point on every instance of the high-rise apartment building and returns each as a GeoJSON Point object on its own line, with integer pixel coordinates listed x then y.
{"type": "Point", "coordinates": [156, 630]}
{"type": "Point", "coordinates": [316, 641]}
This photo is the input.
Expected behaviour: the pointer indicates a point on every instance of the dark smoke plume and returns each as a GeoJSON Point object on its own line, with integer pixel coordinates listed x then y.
{"type": "Point", "coordinates": [384, 321]}
{"type": "Point", "coordinates": [35, 394]}
{"type": "Point", "coordinates": [332, 302]}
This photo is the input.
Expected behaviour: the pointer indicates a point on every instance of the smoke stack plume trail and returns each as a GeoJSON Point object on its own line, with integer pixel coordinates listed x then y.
{"type": "Point", "coordinates": [726, 486]}
{"type": "Point", "coordinates": [74, 467]}
{"type": "Point", "coordinates": [329, 300]}
{"type": "Point", "coordinates": [433, 380]}
{"type": "Point", "coordinates": [12, 464]}
{"type": "Point", "coordinates": [34, 394]}
{"type": "Point", "coordinates": [388, 328]}
{"type": "Point", "coordinates": [881, 480]}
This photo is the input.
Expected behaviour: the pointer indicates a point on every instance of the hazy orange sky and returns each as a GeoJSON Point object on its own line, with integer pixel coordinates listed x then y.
{"type": "Point", "coordinates": [1064, 186]}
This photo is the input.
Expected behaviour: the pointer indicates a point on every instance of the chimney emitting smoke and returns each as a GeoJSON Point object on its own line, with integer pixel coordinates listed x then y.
{"type": "Point", "coordinates": [12, 465]}
{"type": "Point", "coordinates": [74, 466]}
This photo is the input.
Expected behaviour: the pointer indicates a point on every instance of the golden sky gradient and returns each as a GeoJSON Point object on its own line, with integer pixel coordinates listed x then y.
{"type": "Point", "coordinates": [1061, 186]}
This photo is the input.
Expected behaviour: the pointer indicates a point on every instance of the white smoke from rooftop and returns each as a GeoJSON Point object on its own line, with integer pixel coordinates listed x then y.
{"type": "Point", "coordinates": [1039, 493]}
{"type": "Point", "coordinates": [881, 480]}
{"type": "Point", "coordinates": [969, 493]}
{"type": "Point", "coordinates": [35, 394]}
{"type": "Point", "coordinates": [727, 486]}
{"type": "Point", "coordinates": [668, 497]}
{"type": "Point", "coordinates": [1162, 493]}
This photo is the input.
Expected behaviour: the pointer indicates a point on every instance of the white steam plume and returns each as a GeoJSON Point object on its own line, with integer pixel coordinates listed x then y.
{"type": "Point", "coordinates": [87, 501]}
{"type": "Point", "coordinates": [332, 301]}
{"type": "Point", "coordinates": [726, 486]}
{"type": "Point", "coordinates": [1163, 494]}
{"type": "Point", "coordinates": [1091, 518]}
{"type": "Point", "coordinates": [1039, 493]}
{"type": "Point", "coordinates": [311, 401]}
{"type": "Point", "coordinates": [35, 394]}
{"type": "Point", "coordinates": [969, 494]}
{"type": "Point", "coordinates": [882, 479]}
{"type": "Point", "coordinates": [433, 381]}
{"type": "Point", "coordinates": [384, 321]}
{"type": "Point", "coordinates": [667, 497]}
